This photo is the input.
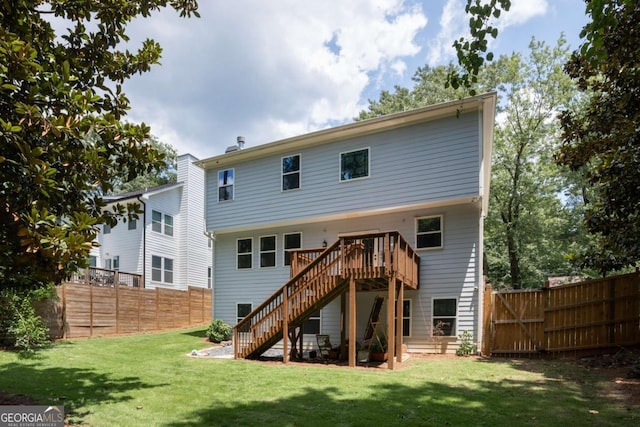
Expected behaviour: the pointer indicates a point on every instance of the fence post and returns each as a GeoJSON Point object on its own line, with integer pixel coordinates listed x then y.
{"type": "Point", "coordinates": [486, 323]}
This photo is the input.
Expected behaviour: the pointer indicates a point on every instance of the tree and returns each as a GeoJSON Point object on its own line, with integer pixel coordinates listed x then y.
{"type": "Point", "coordinates": [602, 143]}
{"type": "Point", "coordinates": [472, 53]}
{"type": "Point", "coordinates": [428, 89]}
{"type": "Point", "coordinates": [154, 178]}
{"type": "Point", "coordinates": [64, 140]}
{"type": "Point", "coordinates": [526, 217]}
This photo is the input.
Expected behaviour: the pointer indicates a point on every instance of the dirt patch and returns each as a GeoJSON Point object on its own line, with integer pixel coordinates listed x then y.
{"type": "Point", "coordinates": [622, 372]}
{"type": "Point", "coordinates": [15, 399]}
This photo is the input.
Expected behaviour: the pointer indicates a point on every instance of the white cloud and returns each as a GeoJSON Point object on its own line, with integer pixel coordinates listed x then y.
{"type": "Point", "coordinates": [454, 24]}
{"type": "Point", "coordinates": [268, 70]}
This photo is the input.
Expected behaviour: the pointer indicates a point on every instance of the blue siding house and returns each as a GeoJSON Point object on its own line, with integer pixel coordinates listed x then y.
{"type": "Point", "coordinates": [310, 230]}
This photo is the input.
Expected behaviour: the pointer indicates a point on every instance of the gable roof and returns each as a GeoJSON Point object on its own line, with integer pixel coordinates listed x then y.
{"type": "Point", "coordinates": [485, 102]}
{"type": "Point", "coordinates": [143, 192]}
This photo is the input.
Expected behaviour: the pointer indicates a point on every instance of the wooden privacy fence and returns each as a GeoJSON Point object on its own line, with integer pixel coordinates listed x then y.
{"type": "Point", "coordinates": [579, 317]}
{"type": "Point", "coordinates": [86, 311]}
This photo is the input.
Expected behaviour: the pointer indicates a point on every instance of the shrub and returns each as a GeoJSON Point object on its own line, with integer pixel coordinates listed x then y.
{"type": "Point", "coordinates": [218, 331]}
{"type": "Point", "coordinates": [466, 346]}
{"type": "Point", "coordinates": [20, 326]}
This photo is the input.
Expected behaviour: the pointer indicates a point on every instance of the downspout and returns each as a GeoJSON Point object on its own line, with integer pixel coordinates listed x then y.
{"type": "Point", "coordinates": [144, 242]}
{"type": "Point", "coordinates": [212, 236]}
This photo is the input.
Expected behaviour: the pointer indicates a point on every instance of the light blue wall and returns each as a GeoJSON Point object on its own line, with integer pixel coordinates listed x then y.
{"type": "Point", "coordinates": [436, 161]}
{"type": "Point", "coordinates": [433, 161]}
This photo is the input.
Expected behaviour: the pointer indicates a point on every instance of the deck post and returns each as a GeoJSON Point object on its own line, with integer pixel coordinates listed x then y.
{"type": "Point", "coordinates": [352, 322]}
{"type": "Point", "coordinates": [399, 322]}
{"type": "Point", "coordinates": [285, 326]}
{"type": "Point", "coordinates": [343, 331]}
{"type": "Point", "coordinates": [391, 336]}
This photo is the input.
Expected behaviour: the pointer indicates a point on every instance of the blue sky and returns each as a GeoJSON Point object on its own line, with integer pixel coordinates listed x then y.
{"type": "Point", "coordinates": [269, 70]}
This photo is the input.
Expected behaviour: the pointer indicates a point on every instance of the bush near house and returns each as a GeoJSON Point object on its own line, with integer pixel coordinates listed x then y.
{"type": "Point", "coordinates": [218, 331]}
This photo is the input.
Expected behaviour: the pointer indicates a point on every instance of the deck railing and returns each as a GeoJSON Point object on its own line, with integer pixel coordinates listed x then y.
{"type": "Point", "coordinates": [316, 274]}
{"type": "Point", "coordinates": [106, 277]}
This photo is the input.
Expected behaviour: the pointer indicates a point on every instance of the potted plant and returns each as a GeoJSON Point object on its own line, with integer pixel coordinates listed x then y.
{"type": "Point", "coordinates": [379, 349]}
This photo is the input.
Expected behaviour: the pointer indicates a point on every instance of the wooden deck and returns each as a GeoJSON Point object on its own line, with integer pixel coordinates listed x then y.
{"type": "Point", "coordinates": [105, 277]}
{"type": "Point", "coordinates": [368, 262]}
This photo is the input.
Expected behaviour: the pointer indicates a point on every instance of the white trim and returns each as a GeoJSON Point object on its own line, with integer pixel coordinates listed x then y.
{"type": "Point", "coordinates": [299, 172]}
{"type": "Point", "coordinates": [360, 177]}
{"type": "Point", "coordinates": [457, 316]}
{"type": "Point", "coordinates": [244, 253]}
{"type": "Point", "coordinates": [351, 215]}
{"type": "Point", "coordinates": [275, 251]}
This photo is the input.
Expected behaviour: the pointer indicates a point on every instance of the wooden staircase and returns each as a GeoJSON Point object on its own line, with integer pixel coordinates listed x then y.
{"type": "Point", "coordinates": [318, 277]}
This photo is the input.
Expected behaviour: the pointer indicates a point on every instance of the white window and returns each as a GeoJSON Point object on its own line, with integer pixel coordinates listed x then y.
{"type": "Point", "coordinates": [209, 277]}
{"type": "Point", "coordinates": [132, 224]}
{"type": "Point", "coordinates": [444, 319]}
{"type": "Point", "coordinates": [107, 263]}
{"type": "Point", "coordinates": [292, 241]}
{"type": "Point", "coordinates": [156, 221]}
{"type": "Point", "coordinates": [106, 229]}
{"type": "Point", "coordinates": [267, 251]}
{"type": "Point", "coordinates": [225, 184]}
{"type": "Point", "coordinates": [168, 225]}
{"type": "Point", "coordinates": [244, 251]}
{"type": "Point", "coordinates": [312, 325]}
{"type": "Point", "coordinates": [243, 310]}
{"type": "Point", "coordinates": [429, 232]}
{"type": "Point", "coordinates": [291, 172]}
{"type": "Point", "coordinates": [354, 164]}
{"type": "Point", "coordinates": [161, 269]}
{"type": "Point", "coordinates": [93, 261]}
{"type": "Point", "coordinates": [168, 270]}
{"type": "Point", "coordinates": [116, 262]}
{"type": "Point", "coordinates": [406, 317]}
{"type": "Point", "coordinates": [160, 222]}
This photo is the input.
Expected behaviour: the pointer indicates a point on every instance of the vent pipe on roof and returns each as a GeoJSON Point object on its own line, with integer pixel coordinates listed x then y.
{"type": "Point", "coordinates": [238, 146]}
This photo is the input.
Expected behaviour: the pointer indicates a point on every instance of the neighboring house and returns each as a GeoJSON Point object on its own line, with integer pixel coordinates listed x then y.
{"type": "Point", "coordinates": [167, 244]}
{"type": "Point", "coordinates": [423, 173]}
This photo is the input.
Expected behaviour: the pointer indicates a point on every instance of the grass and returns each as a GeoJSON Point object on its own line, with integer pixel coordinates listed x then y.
{"type": "Point", "coordinates": [147, 380]}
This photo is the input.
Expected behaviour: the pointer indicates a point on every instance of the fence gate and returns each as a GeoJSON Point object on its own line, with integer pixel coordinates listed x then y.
{"type": "Point", "coordinates": [579, 317]}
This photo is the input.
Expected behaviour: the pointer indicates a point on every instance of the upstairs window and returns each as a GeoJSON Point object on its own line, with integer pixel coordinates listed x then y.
{"type": "Point", "coordinates": [267, 251]}
{"type": "Point", "coordinates": [160, 222]}
{"type": "Point", "coordinates": [156, 221]}
{"type": "Point", "coordinates": [292, 241]}
{"type": "Point", "coordinates": [291, 172]}
{"type": "Point", "coordinates": [244, 253]}
{"type": "Point", "coordinates": [354, 164]}
{"type": "Point", "coordinates": [225, 185]}
{"type": "Point", "coordinates": [168, 225]}
{"type": "Point", "coordinates": [429, 232]}
{"type": "Point", "coordinates": [106, 229]}
{"type": "Point", "coordinates": [132, 224]}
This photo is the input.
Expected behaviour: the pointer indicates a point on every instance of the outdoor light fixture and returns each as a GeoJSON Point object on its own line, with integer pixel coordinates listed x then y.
{"type": "Point", "coordinates": [324, 243]}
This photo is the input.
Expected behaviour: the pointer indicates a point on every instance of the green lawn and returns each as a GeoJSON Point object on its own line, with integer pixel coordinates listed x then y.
{"type": "Point", "coordinates": [147, 380]}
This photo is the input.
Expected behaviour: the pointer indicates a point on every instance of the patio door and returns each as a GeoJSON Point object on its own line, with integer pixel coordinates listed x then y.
{"type": "Point", "coordinates": [373, 247]}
